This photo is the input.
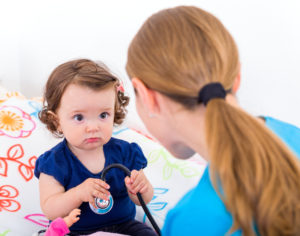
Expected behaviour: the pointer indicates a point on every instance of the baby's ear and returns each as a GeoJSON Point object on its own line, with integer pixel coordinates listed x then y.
{"type": "Point", "coordinates": [52, 115]}
{"type": "Point", "coordinates": [58, 127]}
{"type": "Point", "coordinates": [55, 119]}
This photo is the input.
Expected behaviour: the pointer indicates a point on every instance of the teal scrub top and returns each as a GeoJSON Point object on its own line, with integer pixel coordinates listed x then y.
{"type": "Point", "coordinates": [202, 212]}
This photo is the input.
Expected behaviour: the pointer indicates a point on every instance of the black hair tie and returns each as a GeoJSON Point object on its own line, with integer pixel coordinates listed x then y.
{"type": "Point", "coordinates": [211, 91]}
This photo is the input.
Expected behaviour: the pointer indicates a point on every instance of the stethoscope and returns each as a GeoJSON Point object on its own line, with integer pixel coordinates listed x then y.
{"type": "Point", "coordinates": [104, 206]}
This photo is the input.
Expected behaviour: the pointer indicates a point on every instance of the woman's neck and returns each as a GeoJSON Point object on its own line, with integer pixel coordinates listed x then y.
{"type": "Point", "coordinates": [190, 129]}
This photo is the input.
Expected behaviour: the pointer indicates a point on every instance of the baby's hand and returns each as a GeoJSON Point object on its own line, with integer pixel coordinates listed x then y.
{"type": "Point", "coordinates": [73, 217]}
{"type": "Point", "coordinates": [137, 182]}
{"type": "Point", "coordinates": [92, 188]}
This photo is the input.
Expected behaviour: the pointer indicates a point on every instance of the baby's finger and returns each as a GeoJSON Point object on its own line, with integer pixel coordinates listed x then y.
{"type": "Point", "coordinates": [131, 191]}
{"type": "Point", "coordinates": [138, 187]}
{"type": "Point", "coordinates": [101, 190]}
{"type": "Point", "coordinates": [76, 219]}
{"type": "Point", "coordinates": [127, 180]}
{"type": "Point", "coordinates": [101, 183]}
{"type": "Point", "coordinates": [144, 189]}
{"type": "Point", "coordinates": [129, 188]}
{"type": "Point", "coordinates": [101, 186]}
{"type": "Point", "coordinates": [138, 179]}
{"type": "Point", "coordinates": [75, 212]}
{"type": "Point", "coordinates": [92, 202]}
{"type": "Point", "coordinates": [101, 195]}
{"type": "Point", "coordinates": [134, 175]}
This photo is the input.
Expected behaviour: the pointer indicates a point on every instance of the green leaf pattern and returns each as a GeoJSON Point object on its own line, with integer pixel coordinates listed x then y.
{"type": "Point", "coordinates": [4, 233]}
{"type": "Point", "coordinates": [172, 164]}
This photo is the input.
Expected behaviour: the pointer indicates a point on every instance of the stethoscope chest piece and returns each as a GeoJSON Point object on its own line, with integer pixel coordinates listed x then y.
{"type": "Point", "coordinates": [102, 206]}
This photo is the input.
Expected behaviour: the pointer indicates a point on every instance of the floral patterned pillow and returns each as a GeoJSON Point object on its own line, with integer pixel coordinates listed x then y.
{"type": "Point", "coordinates": [23, 138]}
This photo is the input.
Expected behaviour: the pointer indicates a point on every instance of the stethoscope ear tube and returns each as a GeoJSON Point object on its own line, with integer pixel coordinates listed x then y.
{"type": "Point", "coordinates": [143, 204]}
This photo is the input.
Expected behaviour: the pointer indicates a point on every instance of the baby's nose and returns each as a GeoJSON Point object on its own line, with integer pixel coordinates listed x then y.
{"type": "Point", "coordinates": [92, 126]}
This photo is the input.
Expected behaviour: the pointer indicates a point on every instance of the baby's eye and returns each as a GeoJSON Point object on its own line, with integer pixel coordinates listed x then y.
{"type": "Point", "coordinates": [103, 115]}
{"type": "Point", "coordinates": [78, 117]}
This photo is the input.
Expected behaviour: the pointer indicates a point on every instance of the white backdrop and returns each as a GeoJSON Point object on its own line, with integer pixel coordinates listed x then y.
{"type": "Point", "coordinates": [36, 36]}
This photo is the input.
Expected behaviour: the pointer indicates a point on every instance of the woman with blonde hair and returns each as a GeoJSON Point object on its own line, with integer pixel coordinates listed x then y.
{"type": "Point", "coordinates": [185, 69]}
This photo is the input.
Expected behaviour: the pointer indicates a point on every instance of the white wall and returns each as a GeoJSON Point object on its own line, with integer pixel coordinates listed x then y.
{"type": "Point", "coordinates": [38, 35]}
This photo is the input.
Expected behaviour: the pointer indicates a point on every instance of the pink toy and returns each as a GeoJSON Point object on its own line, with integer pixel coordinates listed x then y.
{"type": "Point", "coordinates": [60, 226]}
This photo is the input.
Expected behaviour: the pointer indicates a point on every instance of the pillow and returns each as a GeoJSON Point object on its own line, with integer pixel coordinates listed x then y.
{"type": "Point", "coordinates": [6, 94]}
{"type": "Point", "coordinates": [23, 138]}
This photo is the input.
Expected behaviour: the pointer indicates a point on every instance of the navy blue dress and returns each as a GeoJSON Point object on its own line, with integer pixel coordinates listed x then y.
{"type": "Point", "coordinates": [64, 166]}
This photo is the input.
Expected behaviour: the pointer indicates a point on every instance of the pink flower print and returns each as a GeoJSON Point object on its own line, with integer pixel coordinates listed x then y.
{"type": "Point", "coordinates": [39, 219]}
{"type": "Point", "coordinates": [15, 123]}
{"type": "Point", "coordinates": [7, 192]}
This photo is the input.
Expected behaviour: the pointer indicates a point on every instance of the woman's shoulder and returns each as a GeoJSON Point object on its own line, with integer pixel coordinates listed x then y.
{"type": "Point", "coordinates": [210, 202]}
{"type": "Point", "coordinates": [201, 209]}
{"type": "Point", "coordinates": [279, 125]}
{"type": "Point", "coordinates": [288, 133]}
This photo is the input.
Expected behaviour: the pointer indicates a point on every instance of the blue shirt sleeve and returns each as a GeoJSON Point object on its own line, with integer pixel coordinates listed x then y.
{"type": "Point", "coordinates": [54, 164]}
{"type": "Point", "coordinates": [135, 159]}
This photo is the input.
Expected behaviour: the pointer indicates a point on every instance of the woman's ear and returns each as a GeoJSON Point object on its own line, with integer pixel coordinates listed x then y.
{"type": "Point", "coordinates": [237, 83]}
{"type": "Point", "coordinates": [145, 96]}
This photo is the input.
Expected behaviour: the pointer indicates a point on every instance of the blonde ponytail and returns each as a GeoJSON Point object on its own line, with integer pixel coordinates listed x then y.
{"type": "Point", "coordinates": [257, 177]}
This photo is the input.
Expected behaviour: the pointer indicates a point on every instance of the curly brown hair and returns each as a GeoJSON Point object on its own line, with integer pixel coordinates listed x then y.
{"type": "Point", "coordinates": [82, 72]}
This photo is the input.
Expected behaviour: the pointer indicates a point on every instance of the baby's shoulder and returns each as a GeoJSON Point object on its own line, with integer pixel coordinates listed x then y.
{"type": "Point", "coordinates": [116, 141]}
{"type": "Point", "coordinates": [121, 150]}
{"type": "Point", "coordinates": [57, 150]}
{"type": "Point", "coordinates": [120, 144]}
{"type": "Point", "coordinates": [54, 162]}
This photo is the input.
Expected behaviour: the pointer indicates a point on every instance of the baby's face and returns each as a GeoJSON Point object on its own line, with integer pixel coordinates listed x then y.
{"type": "Point", "coordinates": [86, 116]}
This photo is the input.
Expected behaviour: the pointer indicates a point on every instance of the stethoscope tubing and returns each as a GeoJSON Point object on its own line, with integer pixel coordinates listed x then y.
{"type": "Point", "coordinates": [142, 202]}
